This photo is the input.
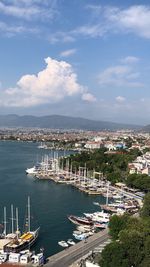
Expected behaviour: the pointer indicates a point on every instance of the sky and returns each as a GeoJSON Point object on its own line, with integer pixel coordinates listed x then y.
{"type": "Point", "coordinates": [80, 58]}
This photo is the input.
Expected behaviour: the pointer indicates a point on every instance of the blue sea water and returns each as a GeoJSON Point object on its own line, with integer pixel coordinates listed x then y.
{"type": "Point", "coordinates": [50, 202]}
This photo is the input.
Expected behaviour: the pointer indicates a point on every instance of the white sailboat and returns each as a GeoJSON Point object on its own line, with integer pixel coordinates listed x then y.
{"type": "Point", "coordinates": [24, 241]}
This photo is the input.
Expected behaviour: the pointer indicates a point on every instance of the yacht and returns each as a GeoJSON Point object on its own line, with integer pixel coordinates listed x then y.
{"type": "Point", "coordinates": [100, 216]}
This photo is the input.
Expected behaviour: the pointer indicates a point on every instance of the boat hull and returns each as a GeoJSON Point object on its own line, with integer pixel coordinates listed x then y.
{"type": "Point", "coordinates": [16, 246]}
{"type": "Point", "coordinates": [80, 221]}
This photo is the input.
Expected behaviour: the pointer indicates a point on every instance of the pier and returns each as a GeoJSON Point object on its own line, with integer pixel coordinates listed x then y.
{"type": "Point", "coordinates": [68, 256]}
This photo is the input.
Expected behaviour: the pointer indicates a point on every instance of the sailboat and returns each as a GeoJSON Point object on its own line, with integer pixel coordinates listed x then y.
{"type": "Point", "coordinates": [24, 241]}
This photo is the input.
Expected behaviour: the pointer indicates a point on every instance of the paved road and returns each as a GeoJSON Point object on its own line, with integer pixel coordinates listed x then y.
{"type": "Point", "coordinates": [66, 257]}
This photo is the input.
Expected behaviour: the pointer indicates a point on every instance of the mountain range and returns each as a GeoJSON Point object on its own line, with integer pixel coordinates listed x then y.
{"type": "Point", "coordinates": [60, 122]}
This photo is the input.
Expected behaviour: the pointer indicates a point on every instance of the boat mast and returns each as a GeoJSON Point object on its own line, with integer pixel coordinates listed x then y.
{"type": "Point", "coordinates": [28, 213]}
{"type": "Point", "coordinates": [107, 194]}
{"type": "Point", "coordinates": [12, 218]}
{"type": "Point", "coordinates": [17, 227]}
{"type": "Point", "coordinates": [5, 223]}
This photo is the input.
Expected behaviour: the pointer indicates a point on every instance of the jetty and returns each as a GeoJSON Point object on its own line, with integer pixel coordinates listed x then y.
{"type": "Point", "coordinates": [69, 255]}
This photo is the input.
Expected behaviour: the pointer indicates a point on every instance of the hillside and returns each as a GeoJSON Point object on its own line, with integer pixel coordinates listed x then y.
{"type": "Point", "coordinates": [60, 122]}
{"type": "Point", "coordinates": [146, 128]}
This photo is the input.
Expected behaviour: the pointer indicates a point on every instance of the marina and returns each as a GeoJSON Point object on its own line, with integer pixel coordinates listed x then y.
{"type": "Point", "coordinates": [46, 197]}
{"type": "Point", "coordinates": [49, 185]}
{"type": "Point", "coordinates": [52, 168]}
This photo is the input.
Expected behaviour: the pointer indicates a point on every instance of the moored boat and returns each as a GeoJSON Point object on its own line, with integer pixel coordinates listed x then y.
{"type": "Point", "coordinates": [63, 244]}
{"type": "Point", "coordinates": [71, 242]}
{"type": "Point", "coordinates": [80, 237]}
{"type": "Point", "coordinates": [24, 241]}
{"type": "Point", "coordinates": [80, 220]}
{"type": "Point", "coordinates": [100, 225]}
{"type": "Point", "coordinates": [32, 171]}
{"type": "Point", "coordinates": [99, 216]}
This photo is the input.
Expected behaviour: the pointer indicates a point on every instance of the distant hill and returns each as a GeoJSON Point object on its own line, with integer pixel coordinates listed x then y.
{"type": "Point", "coordinates": [60, 122]}
{"type": "Point", "coordinates": [146, 128]}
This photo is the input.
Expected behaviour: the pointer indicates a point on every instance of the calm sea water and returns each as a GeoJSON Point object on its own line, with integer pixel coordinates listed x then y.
{"type": "Point", "coordinates": [50, 202]}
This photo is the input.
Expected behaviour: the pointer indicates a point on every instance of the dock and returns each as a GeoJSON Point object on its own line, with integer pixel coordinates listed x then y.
{"type": "Point", "coordinates": [69, 255]}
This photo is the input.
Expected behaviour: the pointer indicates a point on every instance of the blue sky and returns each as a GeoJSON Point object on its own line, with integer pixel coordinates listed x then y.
{"type": "Point", "coordinates": [82, 58]}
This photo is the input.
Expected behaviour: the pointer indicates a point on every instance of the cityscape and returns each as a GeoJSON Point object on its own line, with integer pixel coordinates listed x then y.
{"type": "Point", "coordinates": [112, 168]}
{"type": "Point", "coordinates": [74, 133]}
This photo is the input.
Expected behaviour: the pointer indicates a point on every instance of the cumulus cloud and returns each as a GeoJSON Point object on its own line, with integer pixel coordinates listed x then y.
{"type": "Point", "coordinates": [68, 53]}
{"type": "Point", "coordinates": [52, 84]}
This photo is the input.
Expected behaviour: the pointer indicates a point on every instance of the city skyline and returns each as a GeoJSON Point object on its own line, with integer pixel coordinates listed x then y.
{"type": "Point", "coordinates": [76, 58]}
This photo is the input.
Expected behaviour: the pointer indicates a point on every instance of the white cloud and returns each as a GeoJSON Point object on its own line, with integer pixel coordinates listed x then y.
{"type": "Point", "coordinates": [68, 52]}
{"type": "Point", "coordinates": [19, 16]}
{"type": "Point", "coordinates": [88, 97]}
{"type": "Point", "coordinates": [129, 60]}
{"type": "Point", "coordinates": [29, 10]}
{"type": "Point", "coordinates": [102, 20]}
{"type": "Point", "coordinates": [63, 37]}
{"type": "Point", "coordinates": [112, 20]}
{"type": "Point", "coordinates": [52, 84]}
{"type": "Point", "coordinates": [120, 75]}
{"type": "Point", "coordinates": [11, 30]}
{"type": "Point", "coordinates": [120, 99]}
{"type": "Point", "coordinates": [96, 30]}
{"type": "Point", "coordinates": [135, 19]}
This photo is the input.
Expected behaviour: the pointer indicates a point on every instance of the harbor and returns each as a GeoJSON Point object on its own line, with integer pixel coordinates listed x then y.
{"type": "Point", "coordinates": [62, 227]}
{"type": "Point", "coordinates": [46, 196]}
{"type": "Point", "coordinates": [51, 168]}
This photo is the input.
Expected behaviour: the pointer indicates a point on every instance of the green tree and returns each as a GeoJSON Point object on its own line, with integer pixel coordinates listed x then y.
{"type": "Point", "coordinates": [140, 181]}
{"type": "Point", "coordinates": [145, 211]}
{"type": "Point", "coordinates": [145, 262]}
{"type": "Point", "coordinates": [114, 256]}
{"type": "Point", "coordinates": [133, 244]}
{"type": "Point", "coordinates": [117, 224]}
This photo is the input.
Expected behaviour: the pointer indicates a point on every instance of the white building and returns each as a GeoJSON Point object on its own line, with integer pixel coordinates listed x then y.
{"type": "Point", "coordinates": [93, 145]}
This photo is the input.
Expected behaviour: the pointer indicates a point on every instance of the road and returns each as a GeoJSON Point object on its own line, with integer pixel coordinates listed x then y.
{"type": "Point", "coordinates": [66, 257]}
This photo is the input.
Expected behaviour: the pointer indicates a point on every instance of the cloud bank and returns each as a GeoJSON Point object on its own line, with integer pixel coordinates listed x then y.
{"type": "Point", "coordinates": [51, 85]}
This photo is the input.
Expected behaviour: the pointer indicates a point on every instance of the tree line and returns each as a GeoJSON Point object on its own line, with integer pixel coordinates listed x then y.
{"type": "Point", "coordinates": [113, 166]}
{"type": "Point", "coordinates": [130, 246]}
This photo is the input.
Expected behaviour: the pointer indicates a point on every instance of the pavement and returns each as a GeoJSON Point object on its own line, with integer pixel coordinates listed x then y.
{"type": "Point", "coordinates": [96, 250]}
{"type": "Point", "coordinates": [68, 256]}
